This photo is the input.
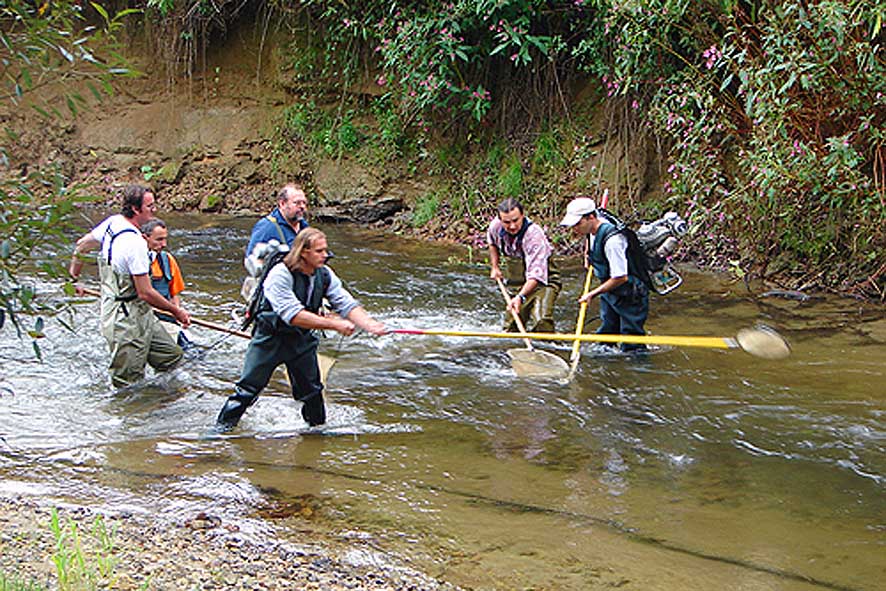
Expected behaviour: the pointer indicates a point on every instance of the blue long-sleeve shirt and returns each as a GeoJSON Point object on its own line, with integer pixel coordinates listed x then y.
{"type": "Point", "coordinates": [265, 230]}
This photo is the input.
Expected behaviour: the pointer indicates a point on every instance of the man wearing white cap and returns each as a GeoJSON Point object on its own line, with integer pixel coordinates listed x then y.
{"type": "Point", "coordinates": [624, 297]}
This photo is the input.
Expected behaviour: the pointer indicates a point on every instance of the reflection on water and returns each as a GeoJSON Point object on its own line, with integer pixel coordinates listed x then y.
{"type": "Point", "coordinates": [681, 469]}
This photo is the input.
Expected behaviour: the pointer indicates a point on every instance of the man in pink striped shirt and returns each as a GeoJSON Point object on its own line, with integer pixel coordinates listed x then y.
{"type": "Point", "coordinates": [529, 267]}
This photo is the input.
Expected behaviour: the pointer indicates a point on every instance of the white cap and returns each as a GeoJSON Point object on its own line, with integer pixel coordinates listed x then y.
{"type": "Point", "coordinates": [577, 209]}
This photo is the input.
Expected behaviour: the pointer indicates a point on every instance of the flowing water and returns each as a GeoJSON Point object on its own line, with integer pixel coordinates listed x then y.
{"type": "Point", "coordinates": [684, 469]}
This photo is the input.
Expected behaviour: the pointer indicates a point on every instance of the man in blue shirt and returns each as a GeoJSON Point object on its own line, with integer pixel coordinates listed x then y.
{"type": "Point", "coordinates": [285, 222]}
{"type": "Point", "coordinates": [624, 297]}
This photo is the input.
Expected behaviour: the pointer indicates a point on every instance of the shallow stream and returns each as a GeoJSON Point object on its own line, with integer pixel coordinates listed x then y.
{"type": "Point", "coordinates": [682, 469]}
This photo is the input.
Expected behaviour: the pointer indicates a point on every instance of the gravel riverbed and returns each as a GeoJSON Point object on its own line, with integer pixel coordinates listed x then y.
{"type": "Point", "coordinates": [199, 554]}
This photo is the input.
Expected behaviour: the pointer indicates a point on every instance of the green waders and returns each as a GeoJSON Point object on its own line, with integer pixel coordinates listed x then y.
{"type": "Point", "coordinates": [134, 334]}
{"type": "Point", "coordinates": [537, 312]}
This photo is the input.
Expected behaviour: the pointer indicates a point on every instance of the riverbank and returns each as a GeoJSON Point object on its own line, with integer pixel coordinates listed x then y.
{"type": "Point", "coordinates": [141, 552]}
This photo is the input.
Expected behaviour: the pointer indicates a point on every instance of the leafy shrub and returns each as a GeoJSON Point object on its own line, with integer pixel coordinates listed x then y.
{"type": "Point", "coordinates": [425, 209]}
{"type": "Point", "coordinates": [510, 178]}
{"type": "Point", "coordinates": [46, 47]}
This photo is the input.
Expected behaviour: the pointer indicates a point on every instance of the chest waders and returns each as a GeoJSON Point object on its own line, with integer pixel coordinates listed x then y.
{"type": "Point", "coordinates": [135, 336]}
{"type": "Point", "coordinates": [537, 312]}
{"type": "Point", "coordinates": [623, 310]}
{"type": "Point", "coordinates": [275, 342]}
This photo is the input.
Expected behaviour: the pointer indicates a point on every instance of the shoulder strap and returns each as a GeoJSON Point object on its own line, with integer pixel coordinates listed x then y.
{"type": "Point", "coordinates": [322, 279]}
{"type": "Point", "coordinates": [637, 263]}
{"type": "Point", "coordinates": [270, 217]}
{"type": "Point", "coordinates": [518, 238]}
{"type": "Point", "coordinates": [165, 266]}
{"type": "Point", "coordinates": [114, 237]}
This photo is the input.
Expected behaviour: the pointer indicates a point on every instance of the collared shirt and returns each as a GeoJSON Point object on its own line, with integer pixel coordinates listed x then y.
{"type": "Point", "coordinates": [534, 249]}
{"type": "Point", "coordinates": [265, 230]}
{"type": "Point", "coordinates": [279, 285]}
{"type": "Point", "coordinates": [616, 249]}
{"type": "Point", "coordinates": [129, 251]}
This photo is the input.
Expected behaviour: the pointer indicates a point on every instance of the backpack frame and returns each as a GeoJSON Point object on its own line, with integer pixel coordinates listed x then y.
{"type": "Point", "coordinates": [638, 261]}
{"type": "Point", "coordinates": [258, 294]}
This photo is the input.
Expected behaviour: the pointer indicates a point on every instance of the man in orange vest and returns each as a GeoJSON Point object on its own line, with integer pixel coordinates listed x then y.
{"type": "Point", "coordinates": [166, 276]}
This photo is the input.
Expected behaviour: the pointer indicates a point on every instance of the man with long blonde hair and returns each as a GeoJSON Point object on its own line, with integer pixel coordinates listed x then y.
{"type": "Point", "coordinates": [288, 314]}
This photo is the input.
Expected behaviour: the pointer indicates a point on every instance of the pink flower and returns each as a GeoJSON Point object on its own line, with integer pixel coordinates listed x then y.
{"type": "Point", "coordinates": [381, 81]}
{"type": "Point", "coordinates": [711, 55]}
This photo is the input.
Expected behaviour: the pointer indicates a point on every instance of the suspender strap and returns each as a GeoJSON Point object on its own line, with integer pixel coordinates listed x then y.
{"type": "Point", "coordinates": [114, 237]}
{"type": "Point", "coordinates": [270, 217]}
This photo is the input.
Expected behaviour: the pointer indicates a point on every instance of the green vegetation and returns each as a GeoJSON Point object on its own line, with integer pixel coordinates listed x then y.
{"type": "Point", "coordinates": [510, 177]}
{"type": "Point", "coordinates": [425, 209]}
{"type": "Point", "coordinates": [84, 560]}
{"type": "Point", "coordinates": [48, 48]}
{"type": "Point", "coordinates": [767, 117]}
{"type": "Point", "coordinates": [761, 122]}
{"type": "Point", "coordinates": [15, 584]}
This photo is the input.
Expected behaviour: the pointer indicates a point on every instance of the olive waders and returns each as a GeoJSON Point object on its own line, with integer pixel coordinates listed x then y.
{"type": "Point", "coordinates": [537, 312]}
{"type": "Point", "coordinates": [134, 334]}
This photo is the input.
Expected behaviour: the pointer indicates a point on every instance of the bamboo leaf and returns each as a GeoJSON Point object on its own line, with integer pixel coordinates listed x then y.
{"type": "Point", "coordinates": [126, 12]}
{"type": "Point", "coordinates": [101, 10]}
{"type": "Point", "coordinates": [72, 106]}
{"type": "Point", "coordinates": [787, 85]}
{"type": "Point", "coordinates": [726, 82]}
{"type": "Point", "coordinates": [65, 53]}
{"type": "Point", "coordinates": [95, 92]}
{"type": "Point", "coordinates": [42, 111]}
{"type": "Point", "coordinates": [498, 49]}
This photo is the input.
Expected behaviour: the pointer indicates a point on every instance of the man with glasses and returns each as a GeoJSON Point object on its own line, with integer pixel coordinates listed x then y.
{"type": "Point", "coordinates": [285, 222]}
{"type": "Point", "coordinates": [275, 231]}
{"type": "Point", "coordinates": [134, 334]}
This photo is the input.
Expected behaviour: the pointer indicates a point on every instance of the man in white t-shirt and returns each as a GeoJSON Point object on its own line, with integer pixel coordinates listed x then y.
{"type": "Point", "coordinates": [134, 334]}
{"type": "Point", "coordinates": [624, 297]}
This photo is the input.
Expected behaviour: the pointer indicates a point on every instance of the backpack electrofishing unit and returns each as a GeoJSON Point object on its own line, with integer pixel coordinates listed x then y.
{"type": "Point", "coordinates": [650, 246]}
{"type": "Point", "coordinates": [258, 264]}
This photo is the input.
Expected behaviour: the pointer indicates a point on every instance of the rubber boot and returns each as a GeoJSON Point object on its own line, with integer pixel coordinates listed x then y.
{"type": "Point", "coordinates": [313, 411]}
{"type": "Point", "coordinates": [234, 408]}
